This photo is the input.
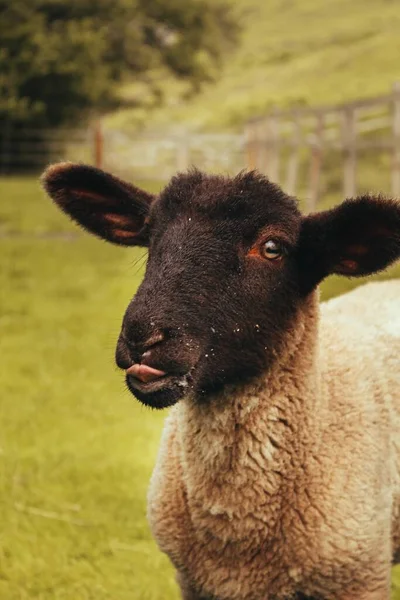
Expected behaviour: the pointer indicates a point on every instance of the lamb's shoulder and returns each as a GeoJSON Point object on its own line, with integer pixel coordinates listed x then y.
{"type": "Point", "coordinates": [359, 361]}
{"type": "Point", "coordinates": [360, 352]}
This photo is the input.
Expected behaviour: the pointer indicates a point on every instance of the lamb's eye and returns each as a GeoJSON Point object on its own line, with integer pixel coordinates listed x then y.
{"type": "Point", "coordinates": [271, 250]}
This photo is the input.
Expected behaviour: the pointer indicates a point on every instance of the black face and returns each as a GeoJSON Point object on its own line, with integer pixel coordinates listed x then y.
{"type": "Point", "coordinates": [219, 290]}
{"type": "Point", "coordinates": [230, 262]}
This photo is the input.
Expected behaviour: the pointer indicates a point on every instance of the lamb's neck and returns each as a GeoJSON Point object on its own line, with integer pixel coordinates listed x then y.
{"type": "Point", "coordinates": [266, 426]}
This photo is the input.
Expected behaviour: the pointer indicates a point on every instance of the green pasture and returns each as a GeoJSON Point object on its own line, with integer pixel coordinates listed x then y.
{"type": "Point", "coordinates": [290, 53]}
{"type": "Point", "coordinates": [76, 450]}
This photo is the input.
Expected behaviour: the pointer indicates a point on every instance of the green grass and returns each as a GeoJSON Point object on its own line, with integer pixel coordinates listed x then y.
{"type": "Point", "coordinates": [74, 444]}
{"type": "Point", "coordinates": [292, 52]}
{"type": "Point", "coordinates": [76, 450]}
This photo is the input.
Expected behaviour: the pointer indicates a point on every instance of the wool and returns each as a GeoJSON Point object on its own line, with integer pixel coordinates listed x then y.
{"type": "Point", "coordinates": [292, 483]}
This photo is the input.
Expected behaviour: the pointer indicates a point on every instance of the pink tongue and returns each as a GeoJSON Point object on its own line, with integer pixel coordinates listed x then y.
{"type": "Point", "coordinates": [145, 373]}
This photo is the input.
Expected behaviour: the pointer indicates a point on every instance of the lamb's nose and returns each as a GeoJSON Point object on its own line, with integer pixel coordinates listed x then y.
{"type": "Point", "coordinates": [131, 349]}
{"type": "Point", "coordinates": [144, 373]}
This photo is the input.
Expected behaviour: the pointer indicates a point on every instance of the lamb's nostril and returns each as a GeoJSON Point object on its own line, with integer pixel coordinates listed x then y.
{"type": "Point", "coordinates": [135, 343]}
{"type": "Point", "coordinates": [155, 338]}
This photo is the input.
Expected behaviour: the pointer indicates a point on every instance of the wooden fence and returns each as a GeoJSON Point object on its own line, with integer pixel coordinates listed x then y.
{"type": "Point", "coordinates": [292, 147]}
{"type": "Point", "coordinates": [275, 142]}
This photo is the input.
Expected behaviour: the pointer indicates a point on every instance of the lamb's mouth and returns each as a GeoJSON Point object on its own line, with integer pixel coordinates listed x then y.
{"type": "Point", "coordinates": [158, 391]}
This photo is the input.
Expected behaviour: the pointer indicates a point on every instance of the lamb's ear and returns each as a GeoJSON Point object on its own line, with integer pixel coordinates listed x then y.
{"type": "Point", "coordinates": [106, 206]}
{"type": "Point", "coordinates": [358, 237]}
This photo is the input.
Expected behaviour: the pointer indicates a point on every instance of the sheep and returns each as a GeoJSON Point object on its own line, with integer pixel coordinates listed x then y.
{"type": "Point", "coordinates": [278, 474]}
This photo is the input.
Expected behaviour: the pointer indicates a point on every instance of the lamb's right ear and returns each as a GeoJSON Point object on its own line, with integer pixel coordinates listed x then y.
{"type": "Point", "coordinates": [359, 237]}
{"type": "Point", "coordinates": [106, 206]}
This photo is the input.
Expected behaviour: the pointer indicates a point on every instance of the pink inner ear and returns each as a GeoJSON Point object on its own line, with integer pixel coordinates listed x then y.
{"type": "Point", "coordinates": [91, 196]}
{"type": "Point", "coordinates": [123, 233]}
{"type": "Point", "coordinates": [121, 220]}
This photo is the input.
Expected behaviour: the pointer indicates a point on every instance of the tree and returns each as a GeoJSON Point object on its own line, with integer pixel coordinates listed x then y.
{"type": "Point", "coordinates": [61, 58]}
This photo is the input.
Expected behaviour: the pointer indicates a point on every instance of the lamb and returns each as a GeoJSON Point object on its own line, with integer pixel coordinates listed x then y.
{"type": "Point", "coordinates": [278, 475]}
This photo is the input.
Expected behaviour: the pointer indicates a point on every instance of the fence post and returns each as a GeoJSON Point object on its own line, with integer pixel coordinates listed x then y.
{"type": "Point", "coordinates": [293, 161]}
{"type": "Point", "coordinates": [182, 153]}
{"type": "Point", "coordinates": [98, 144]}
{"type": "Point", "coordinates": [396, 140]}
{"type": "Point", "coordinates": [251, 147]}
{"type": "Point", "coordinates": [350, 151]}
{"type": "Point", "coordinates": [262, 144]}
{"type": "Point", "coordinates": [315, 165]}
{"type": "Point", "coordinates": [274, 149]}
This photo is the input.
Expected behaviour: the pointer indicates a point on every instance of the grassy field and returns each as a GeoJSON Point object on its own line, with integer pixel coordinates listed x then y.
{"type": "Point", "coordinates": [76, 450]}
{"type": "Point", "coordinates": [291, 52]}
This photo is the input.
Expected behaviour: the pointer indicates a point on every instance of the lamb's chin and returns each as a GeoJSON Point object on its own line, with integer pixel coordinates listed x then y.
{"type": "Point", "coordinates": [158, 394]}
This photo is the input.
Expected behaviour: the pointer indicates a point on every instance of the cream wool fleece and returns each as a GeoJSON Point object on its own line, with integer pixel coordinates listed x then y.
{"type": "Point", "coordinates": [292, 483]}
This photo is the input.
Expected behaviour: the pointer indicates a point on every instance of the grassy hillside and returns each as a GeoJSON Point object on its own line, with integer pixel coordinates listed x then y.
{"type": "Point", "coordinates": [76, 450]}
{"type": "Point", "coordinates": [292, 52]}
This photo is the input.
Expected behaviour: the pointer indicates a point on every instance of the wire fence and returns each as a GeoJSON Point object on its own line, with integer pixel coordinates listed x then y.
{"type": "Point", "coordinates": [149, 156]}
{"type": "Point", "coordinates": [26, 150]}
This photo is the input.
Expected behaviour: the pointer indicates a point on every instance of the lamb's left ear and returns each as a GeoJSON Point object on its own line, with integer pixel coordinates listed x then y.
{"type": "Point", "coordinates": [103, 204]}
{"type": "Point", "coordinates": [356, 238]}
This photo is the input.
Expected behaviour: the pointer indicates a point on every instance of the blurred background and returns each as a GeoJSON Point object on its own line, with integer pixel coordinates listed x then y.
{"type": "Point", "coordinates": [304, 90]}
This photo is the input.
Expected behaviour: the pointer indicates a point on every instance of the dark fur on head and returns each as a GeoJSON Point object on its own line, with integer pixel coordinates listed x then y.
{"type": "Point", "coordinates": [231, 260]}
